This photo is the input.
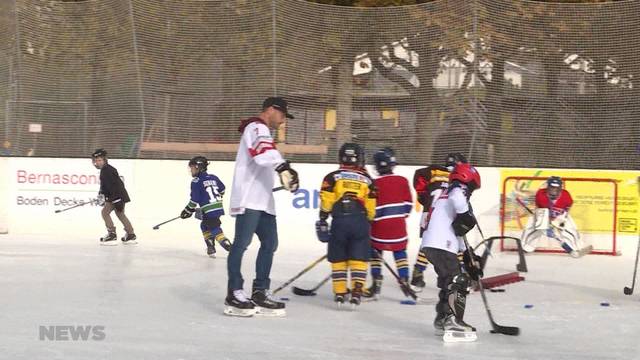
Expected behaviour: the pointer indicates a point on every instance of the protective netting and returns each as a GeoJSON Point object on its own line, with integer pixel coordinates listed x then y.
{"type": "Point", "coordinates": [509, 83]}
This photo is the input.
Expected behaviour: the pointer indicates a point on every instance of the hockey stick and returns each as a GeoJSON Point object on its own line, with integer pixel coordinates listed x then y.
{"type": "Point", "coordinates": [497, 329]}
{"type": "Point", "coordinates": [629, 290]}
{"type": "Point", "coordinates": [403, 284]}
{"type": "Point", "coordinates": [162, 223]}
{"type": "Point", "coordinates": [73, 207]}
{"type": "Point", "coordinates": [310, 292]}
{"type": "Point", "coordinates": [309, 267]}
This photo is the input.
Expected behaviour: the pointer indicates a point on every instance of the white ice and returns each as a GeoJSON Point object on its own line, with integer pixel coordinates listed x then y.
{"type": "Point", "coordinates": [163, 299]}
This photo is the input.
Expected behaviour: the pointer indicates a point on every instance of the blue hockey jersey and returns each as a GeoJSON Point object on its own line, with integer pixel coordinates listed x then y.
{"type": "Point", "coordinates": [206, 192]}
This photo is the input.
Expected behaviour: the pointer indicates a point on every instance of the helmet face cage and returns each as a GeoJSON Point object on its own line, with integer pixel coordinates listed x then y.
{"type": "Point", "coordinates": [554, 186]}
{"type": "Point", "coordinates": [351, 154]}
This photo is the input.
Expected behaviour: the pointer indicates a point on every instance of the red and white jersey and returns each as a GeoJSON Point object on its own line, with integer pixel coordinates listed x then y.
{"type": "Point", "coordinates": [439, 234]}
{"type": "Point", "coordinates": [254, 175]}
{"type": "Point", "coordinates": [393, 205]}
{"type": "Point", "coordinates": [556, 207]}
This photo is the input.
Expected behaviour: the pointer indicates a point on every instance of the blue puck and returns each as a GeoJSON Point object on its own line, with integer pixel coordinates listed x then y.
{"type": "Point", "coordinates": [604, 303]}
{"type": "Point", "coordinates": [284, 299]}
{"type": "Point", "coordinates": [528, 306]}
{"type": "Point", "coordinates": [407, 302]}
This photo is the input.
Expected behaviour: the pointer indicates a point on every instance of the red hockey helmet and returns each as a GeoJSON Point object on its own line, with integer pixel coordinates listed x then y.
{"type": "Point", "coordinates": [466, 174]}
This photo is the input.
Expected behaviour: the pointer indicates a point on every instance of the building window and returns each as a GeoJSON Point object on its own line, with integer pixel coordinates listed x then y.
{"type": "Point", "coordinates": [392, 115]}
{"type": "Point", "coordinates": [330, 118]}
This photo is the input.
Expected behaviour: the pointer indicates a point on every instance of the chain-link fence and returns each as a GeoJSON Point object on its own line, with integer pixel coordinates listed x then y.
{"type": "Point", "coordinates": [509, 83]}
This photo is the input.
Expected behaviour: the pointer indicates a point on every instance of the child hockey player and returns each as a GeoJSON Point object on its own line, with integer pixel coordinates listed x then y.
{"type": "Point", "coordinates": [348, 195]}
{"type": "Point", "coordinates": [429, 182]}
{"type": "Point", "coordinates": [206, 192]}
{"type": "Point", "coordinates": [451, 218]}
{"type": "Point", "coordinates": [389, 228]}
{"type": "Point", "coordinates": [112, 196]}
{"type": "Point", "coordinates": [553, 220]}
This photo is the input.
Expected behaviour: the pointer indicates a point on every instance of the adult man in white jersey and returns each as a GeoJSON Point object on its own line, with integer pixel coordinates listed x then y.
{"type": "Point", "coordinates": [450, 219]}
{"type": "Point", "coordinates": [253, 206]}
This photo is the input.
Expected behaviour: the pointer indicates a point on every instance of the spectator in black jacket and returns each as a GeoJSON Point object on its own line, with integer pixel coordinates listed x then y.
{"type": "Point", "coordinates": [112, 196]}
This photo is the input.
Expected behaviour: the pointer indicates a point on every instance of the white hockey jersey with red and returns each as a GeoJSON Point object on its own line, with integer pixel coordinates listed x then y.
{"type": "Point", "coordinates": [254, 175]}
{"type": "Point", "coordinates": [393, 205]}
{"type": "Point", "coordinates": [439, 233]}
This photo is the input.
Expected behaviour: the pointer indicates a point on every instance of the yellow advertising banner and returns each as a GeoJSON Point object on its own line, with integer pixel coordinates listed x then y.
{"type": "Point", "coordinates": [601, 198]}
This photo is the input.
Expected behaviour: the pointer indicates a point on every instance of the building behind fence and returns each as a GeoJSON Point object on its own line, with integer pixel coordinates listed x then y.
{"type": "Point", "coordinates": [509, 83]}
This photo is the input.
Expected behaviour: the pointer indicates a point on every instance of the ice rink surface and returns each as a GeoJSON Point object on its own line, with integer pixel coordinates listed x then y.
{"type": "Point", "coordinates": [164, 300]}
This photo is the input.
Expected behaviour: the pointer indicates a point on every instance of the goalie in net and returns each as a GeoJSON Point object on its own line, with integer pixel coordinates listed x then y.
{"type": "Point", "coordinates": [551, 219]}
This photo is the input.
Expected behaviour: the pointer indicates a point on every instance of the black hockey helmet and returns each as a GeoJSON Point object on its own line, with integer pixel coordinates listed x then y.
{"type": "Point", "coordinates": [384, 160]}
{"type": "Point", "coordinates": [351, 154]}
{"type": "Point", "coordinates": [454, 158]}
{"type": "Point", "coordinates": [99, 153]}
{"type": "Point", "coordinates": [200, 162]}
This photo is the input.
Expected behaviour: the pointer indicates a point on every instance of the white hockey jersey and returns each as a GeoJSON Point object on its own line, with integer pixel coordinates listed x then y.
{"type": "Point", "coordinates": [254, 175]}
{"type": "Point", "coordinates": [439, 233]}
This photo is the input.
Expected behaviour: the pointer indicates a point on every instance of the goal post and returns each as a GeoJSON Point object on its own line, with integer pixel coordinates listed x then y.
{"type": "Point", "coordinates": [594, 211]}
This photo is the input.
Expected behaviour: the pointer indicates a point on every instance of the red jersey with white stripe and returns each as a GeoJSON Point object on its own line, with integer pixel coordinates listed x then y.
{"type": "Point", "coordinates": [556, 207]}
{"type": "Point", "coordinates": [254, 174]}
{"type": "Point", "coordinates": [393, 205]}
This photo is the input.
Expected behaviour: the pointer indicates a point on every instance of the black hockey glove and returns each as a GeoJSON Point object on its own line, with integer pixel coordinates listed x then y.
{"type": "Point", "coordinates": [472, 267]}
{"type": "Point", "coordinates": [186, 212]}
{"type": "Point", "coordinates": [463, 223]}
{"type": "Point", "coordinates": [288, 177]}
{"type": "Point", "coordinates": [322, 230]}
{"type": "Point", "coordinates": [118, 204]}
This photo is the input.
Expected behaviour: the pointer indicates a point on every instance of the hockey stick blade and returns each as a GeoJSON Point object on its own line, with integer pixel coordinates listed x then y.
{"type": "Point", "coordinates": [627, 290]}
{"type": "Point", "coordinates": [310, 292]}
{"type": "Point", "coordinates": [303, 292]}
{"type": "Point", "coordinates": [505, 330]}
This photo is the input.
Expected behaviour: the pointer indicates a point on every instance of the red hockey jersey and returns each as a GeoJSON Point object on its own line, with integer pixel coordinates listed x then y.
{"type": "Point", "coordinates": [556, 207]}
{"type": "Point", "coordinates": [394, 203]}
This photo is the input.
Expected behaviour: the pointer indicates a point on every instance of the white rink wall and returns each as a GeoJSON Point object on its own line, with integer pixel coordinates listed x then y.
{"type": "Point", "coordinates": [33, 188]}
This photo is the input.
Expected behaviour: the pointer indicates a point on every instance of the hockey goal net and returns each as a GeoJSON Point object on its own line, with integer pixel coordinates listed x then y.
{"type": "Point", "coordinates": [594, 211]}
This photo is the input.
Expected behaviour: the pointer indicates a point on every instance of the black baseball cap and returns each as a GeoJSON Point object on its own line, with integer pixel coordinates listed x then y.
{"type": "Point", "coordinates": [278, 103]}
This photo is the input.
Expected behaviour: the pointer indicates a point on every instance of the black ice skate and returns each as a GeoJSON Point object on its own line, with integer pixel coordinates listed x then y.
{"type": "Point", "coordinates": [356, 296]}
{"type": "Point", "coordinates": [417, 281]}
{"type": "Point", "coordinates": [225, 243]}
{"type": "Point", "coordinates": [438, 324]}
{"type": "Point", "coordinates": [129, 239]}
{"type": "Point", "coordinates": [211, 251]}
{"type": "Point", "coordinates": [373, 292]}
{"type": "Point", "coordinates": [237, 304]}
{"type": "Point", "coordinates": [266, 305]}
{"type": "Point", "coordinates": [339, 299]}
{"type": "Point", "coordinates": [110, 239]}
{"type": "Point", "coordinates": [456, 330]}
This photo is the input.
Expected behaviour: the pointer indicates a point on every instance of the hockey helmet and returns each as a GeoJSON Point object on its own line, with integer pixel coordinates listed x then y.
{"type": "Point", "coordinates": [99, 153]}
{"type": "Point", "coordinates": [554, 186]}
{"type": "Point", "coordinates": [454, 158]}
{"type": "Point", "coordinates": [351, 154]}
{"type": "Point", "coordinates": [199, 162]}
{"type": "Point", "coordinates": [384, 160]}
{"type": "Point", "coordinates": [466, 174]}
